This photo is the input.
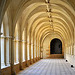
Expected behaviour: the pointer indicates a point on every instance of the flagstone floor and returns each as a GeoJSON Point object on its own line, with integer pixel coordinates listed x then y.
{"type": "Point", "coordinates": [49, 67]}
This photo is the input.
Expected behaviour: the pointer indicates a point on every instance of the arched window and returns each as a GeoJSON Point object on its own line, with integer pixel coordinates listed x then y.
{"type": "Point", "coordinates": [6, 27]}
{"type": "Point", "coordinates": [31, 49]}
{"type": "Point", "coordinates": [2, 47]}
{"type": "Point", "coordinates": [5, 58]}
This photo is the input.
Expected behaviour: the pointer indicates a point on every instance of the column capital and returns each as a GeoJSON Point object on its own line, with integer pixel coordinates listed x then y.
{"type": "Point", "coordinates": [4, 37]}
{"type": "Point", "coordinates": [1, 33]}
{"type": "Point", "coordinates": [28, 43]}
{"type": "Point", "coordinates": [18, 40]}
{"type": "Point", "coordinates": [23, 40]}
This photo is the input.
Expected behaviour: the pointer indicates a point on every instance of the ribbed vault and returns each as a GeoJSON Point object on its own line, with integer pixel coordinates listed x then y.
{"type": "Point", "coordinates": [34, 19]}
{"type": "Point", "coordinates": [37, 20]}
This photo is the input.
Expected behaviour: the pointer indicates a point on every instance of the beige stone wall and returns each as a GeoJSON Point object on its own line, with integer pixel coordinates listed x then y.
{"type": "Point", "coordinates": [46, 47]}
{"type": "Point", "coordinates": [71, 59]}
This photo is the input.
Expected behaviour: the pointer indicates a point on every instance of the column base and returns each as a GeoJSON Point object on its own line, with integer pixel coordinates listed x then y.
{"type": "Point", "coordinates": [0, 72]}
{"type": "Point", "coordinates": [14, 73]}
{"type": "Point", "coordinates": [34, 60]}
{"type": "Point", "coordinates": [31, 62]}
{"type": "Point", "coordinates": [21, 67]}
{"type": "Point", "coordinates": [39, 58]}
{"type": "Point", "coordinates": [27, 64]}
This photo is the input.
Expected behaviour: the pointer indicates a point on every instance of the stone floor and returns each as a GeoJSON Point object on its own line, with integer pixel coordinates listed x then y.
{"type": "Point", "coordinates": [49, 67]}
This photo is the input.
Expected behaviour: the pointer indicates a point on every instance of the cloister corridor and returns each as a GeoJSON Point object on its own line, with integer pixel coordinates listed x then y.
{"type": "Point", "coordinates": [49, 67]}
{"type": "Point", "coordinates": [37, 37]}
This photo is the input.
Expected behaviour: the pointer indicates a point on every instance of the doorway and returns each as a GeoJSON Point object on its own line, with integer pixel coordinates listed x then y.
{"type": "Point", "coordinates": [56, 46]}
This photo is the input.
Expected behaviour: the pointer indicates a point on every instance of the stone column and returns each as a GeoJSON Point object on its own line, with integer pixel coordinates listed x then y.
{"type": "Point", "coordinates": [26, 54]}
{"type": "Point", "coordinates": [41, 52]}
{"type": "Point", "coordinates": [26, 51]}
{"type": "Point", "coordinates": [69, 48]}
{"type": "Point", "coordinates": [5, 51]}
{"type": "Point", "coordinates": [20, 53]}
{"type": "Point", "coordinates": [10, 50]}
{"type": "Point", "coordinates": [14, 51]}
{"type": "Point", "coordinates": [20, 46]}
{"type": "Point", "coordinates": [36, 49]}
{"type": "Point", "coordinates": [33, 54]}
{"type": "Point", "coordinates": [73, 49]}
{"type": "Point", "coordinates": [30, 52]}
{"type": "Point", "coordinates": [26, 58]}
{"type": "Point", "coordinates": [66, 48]}
{"type": "Point", "coordinates": [30, 47]}
{"type": "Point", "coordinates": [33, 51]}
{"type": "Point", "coordinates": [38, 52]}
{"type": "Point", "coordinates": [12, 56]}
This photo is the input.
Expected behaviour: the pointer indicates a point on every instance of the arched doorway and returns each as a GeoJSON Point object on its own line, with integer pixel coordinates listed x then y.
{"type": "Point", "coordinates": [56, 46]}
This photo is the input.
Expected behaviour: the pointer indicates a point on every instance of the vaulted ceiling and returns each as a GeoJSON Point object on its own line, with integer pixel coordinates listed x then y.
{"type": "Point", "coordinates": [35, 16]}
